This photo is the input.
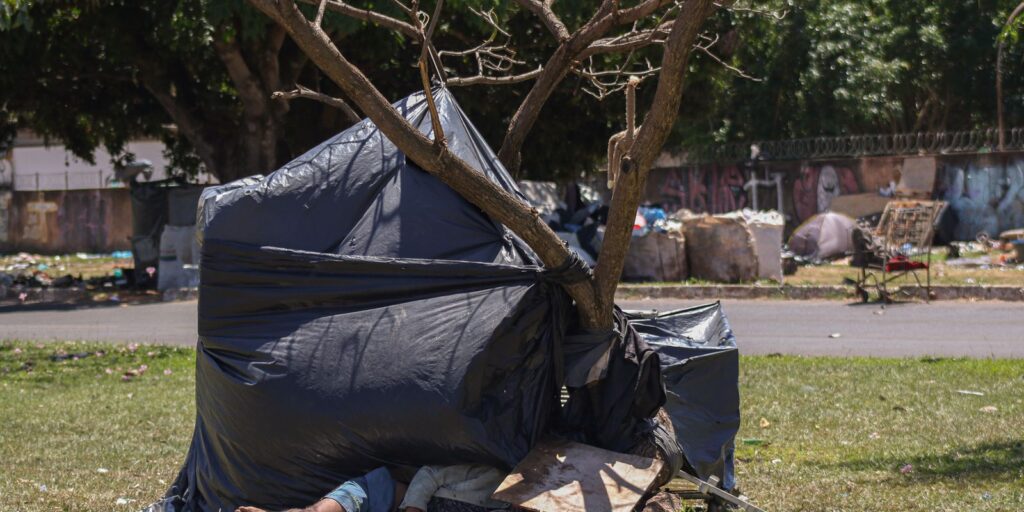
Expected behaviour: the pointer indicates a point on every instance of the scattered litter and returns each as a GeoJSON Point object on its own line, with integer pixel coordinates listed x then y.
{"type": "Point", "coordinates": [879, 312]}
{"type": "Point", "coordinates": [969, 392]}
{"type": "Point", "coordinates": [907, 469]}
{"type": "Point", "coordinates": [102, 470]}
{"type": "Point", "coordinates": [776, 461]}
{"type": "Point", "coordinates": [168, 371]}
{"type": "Point", "coordinates": [835, 335]}
{"type": "Point", "coordinates": [121, 501]}
{"type": "Point", "coordinates": [63, 356]}
{"type": "Point", "coordinates": [987, 496]}
{"type": "Point", "coordinates": [132, 347]}
{"type": "Point", "coordinates": [989, 408]}
{"type": "Point", "coordinates": [874, 435]}
{"type": "Point", "coordinates": [764, 423]}
{"type": "Point", "coordinates": [42, 488]}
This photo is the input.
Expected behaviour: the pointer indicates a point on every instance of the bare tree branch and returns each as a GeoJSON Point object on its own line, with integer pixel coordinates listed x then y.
{"type": "Point", "coordinates": [493, 80]}
{"type": "Point", "coordinates": [425, 36]}
{"type": "Point", "coordinates": [547, 16]}
{"type": "Point", "coordinates": [304, 92]}
{"type": "Point", "coordinates": [640, 11]}
{"type": "Point", "coordinates": [369, 15]}
{"type": "Point", "coordinates": [605, 83]}
{"type": "Point", "coordinates": [468, 182]}
{"type": "Point", "coordinates": [775, 15]}
{"type": "Point", "coordinates": [632, 40]}
{"type": "Point", "coordinates": [649, 140]}
{"type": "Point", "coordinates": [320, 13]}
{"type": "Point", "coordinates": [494, 61]}
{"type": "Point", "coordinates": [739, 72]}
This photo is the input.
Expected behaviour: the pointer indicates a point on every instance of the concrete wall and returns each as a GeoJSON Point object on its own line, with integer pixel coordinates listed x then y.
{"type": "Point", "coordinates": [985, 191]}
{"type": "Point", "coordinates": [60, 222]}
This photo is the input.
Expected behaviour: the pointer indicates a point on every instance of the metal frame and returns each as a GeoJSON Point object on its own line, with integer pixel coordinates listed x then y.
{"type": "Point", "coordinates": [906, 228]}
{"type": "Point", "coordinates": [709, 490]}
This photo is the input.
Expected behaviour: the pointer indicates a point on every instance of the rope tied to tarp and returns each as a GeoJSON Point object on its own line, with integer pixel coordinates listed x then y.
{"type": "Point", "coordinates": [573, 270]}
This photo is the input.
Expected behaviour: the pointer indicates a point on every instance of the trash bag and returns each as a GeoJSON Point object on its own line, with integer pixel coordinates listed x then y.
{"type": "Point", "coordinates": [700, 368]}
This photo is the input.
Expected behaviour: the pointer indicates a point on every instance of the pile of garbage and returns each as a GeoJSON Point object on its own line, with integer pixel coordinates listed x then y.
{"type": "Point", "coordinates": [741, 246]}
{"type": "Point", "coordinates": [985, 253]}
{"type": "Point", "coordinates": [736, 247]}
{"type": "Point", "coordinates": [24, 272]}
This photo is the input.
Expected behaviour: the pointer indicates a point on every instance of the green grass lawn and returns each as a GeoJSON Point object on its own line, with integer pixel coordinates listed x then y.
{"type": "Point", "coordinates": [835, 435]}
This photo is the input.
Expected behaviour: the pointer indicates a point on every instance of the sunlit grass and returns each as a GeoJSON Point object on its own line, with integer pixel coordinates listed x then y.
{"type": "Point", "coordinates": [838, 430]}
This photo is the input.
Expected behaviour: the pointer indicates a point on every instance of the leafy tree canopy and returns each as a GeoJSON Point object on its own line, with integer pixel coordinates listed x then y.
{"type": "Point", "coordinates": [832, 67]}
{"type": "Point", "coordinates": [199, 74]}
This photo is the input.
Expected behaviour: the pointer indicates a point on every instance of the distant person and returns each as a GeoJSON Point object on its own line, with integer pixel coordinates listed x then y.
{"type": "Point", "coordinates": [459, 488]}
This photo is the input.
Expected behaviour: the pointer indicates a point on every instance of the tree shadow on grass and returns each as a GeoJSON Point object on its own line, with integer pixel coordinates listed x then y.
{"type": "Point", "coordinates": [1003, 460]}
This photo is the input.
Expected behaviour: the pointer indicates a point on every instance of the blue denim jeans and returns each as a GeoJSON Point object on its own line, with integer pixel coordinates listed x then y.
{"type": "Point", "coordinates": [372, 492]}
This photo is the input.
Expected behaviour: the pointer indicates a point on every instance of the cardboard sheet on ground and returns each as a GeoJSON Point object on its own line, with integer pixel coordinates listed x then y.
{"type": "Point", "coordinates": [563, 476]}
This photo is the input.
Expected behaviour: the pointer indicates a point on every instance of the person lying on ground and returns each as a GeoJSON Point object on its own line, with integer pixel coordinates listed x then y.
{"type": "Point", "coordinates": [459, 488]}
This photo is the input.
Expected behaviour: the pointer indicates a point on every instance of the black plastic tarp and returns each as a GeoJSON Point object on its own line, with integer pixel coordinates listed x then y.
{"type": "Point", "coordinates": [356, 312]}
{"type": "Point", "coordinates": [700, 367]}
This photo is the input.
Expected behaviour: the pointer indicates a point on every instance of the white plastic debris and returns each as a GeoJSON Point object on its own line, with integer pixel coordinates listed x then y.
{"type": "Point", "coordinates": [969, 392]}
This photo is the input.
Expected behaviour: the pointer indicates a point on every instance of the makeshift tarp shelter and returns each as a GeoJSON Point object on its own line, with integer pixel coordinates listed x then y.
{"type": "Point", "coordinates": [354, 312]}
{"type": "Point", "coordinates": [823, 236]}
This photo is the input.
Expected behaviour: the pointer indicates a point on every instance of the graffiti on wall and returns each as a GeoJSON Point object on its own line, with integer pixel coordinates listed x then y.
{"type": "Point", "coordinates": [817, 185]}
{"type": "Point", "coordinates": [984, 196]}
{"type": "Point", "coordinates": [711, 189]}
{"type": "Point", "coordinates": [985, 192]}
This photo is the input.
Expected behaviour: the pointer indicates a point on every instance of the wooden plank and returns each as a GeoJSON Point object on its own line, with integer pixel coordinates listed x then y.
{"type": "Point", "coordinates": [917, 177]}
{"type": "Point", "coordinates": [563, 476]}
{"type": "Point", "coordinates": [859, 205]}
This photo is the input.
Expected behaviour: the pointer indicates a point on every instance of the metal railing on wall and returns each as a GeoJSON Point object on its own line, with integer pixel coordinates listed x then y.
{"type": "Point", "coordinates": [852, 146]}
{"type": "Point", "coordinates": [63, 181]}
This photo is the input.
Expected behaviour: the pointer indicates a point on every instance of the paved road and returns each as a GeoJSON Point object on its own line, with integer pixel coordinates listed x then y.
{"type": "Point", "coordinates": [979, 329]}
{"type": "Point", "coordinates": [989, 329]}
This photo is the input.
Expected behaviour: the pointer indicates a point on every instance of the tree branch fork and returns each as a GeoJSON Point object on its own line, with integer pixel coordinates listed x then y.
{"type": "Point", "coordinates": [593, 297]}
